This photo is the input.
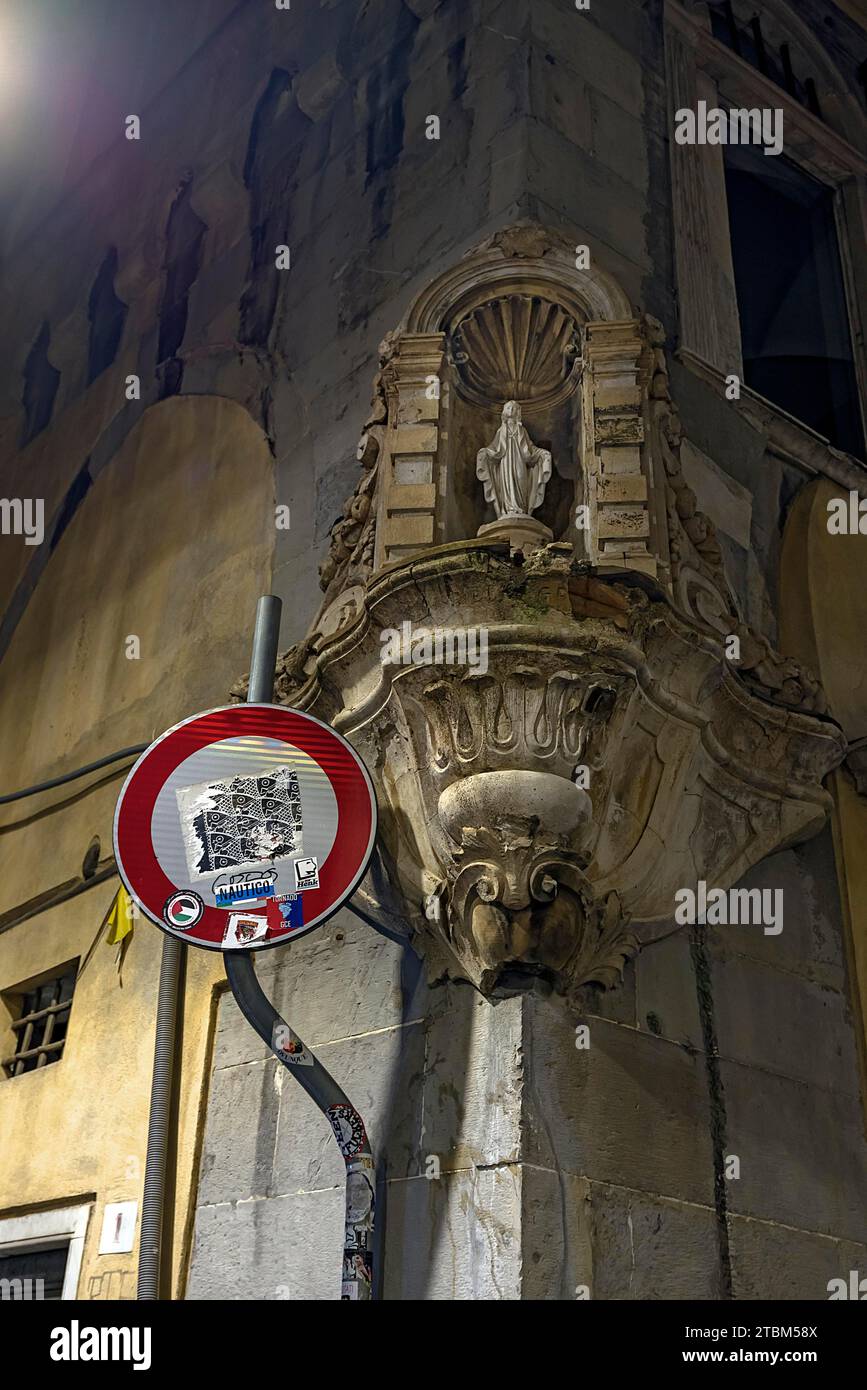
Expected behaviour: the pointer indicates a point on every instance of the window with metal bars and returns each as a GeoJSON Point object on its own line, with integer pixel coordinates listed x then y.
{"type": "Point", "coordinates": [749, 42]}
{"type": "Point", "coordinates": [40, 1019]}
{"type": "Point", "coordinates": [31, 1273]}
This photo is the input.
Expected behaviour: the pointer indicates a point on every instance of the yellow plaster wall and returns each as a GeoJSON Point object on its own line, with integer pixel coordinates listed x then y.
{"type": "Point", "coordinates": [173, 543]}
{"type": "Point", "coordinates": [823, 622]}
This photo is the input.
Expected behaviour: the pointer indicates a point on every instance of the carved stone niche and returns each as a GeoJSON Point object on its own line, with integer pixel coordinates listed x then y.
{"type": "Point", "coordinates": [555, 768]}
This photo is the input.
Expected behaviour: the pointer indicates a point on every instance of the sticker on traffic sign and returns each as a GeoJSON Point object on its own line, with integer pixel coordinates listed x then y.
{"type": "Point", "coordinates": [306, 873]}
{"type": "Point", "coordinates": [183, 910]}
{"type": "Point", "coordinates": [245, 826]}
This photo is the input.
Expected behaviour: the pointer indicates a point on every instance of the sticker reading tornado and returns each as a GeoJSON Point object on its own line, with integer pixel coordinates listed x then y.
{"type": "Point", "coordinates": [242, 822]}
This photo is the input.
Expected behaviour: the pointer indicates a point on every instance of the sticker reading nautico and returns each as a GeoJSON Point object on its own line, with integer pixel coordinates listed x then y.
{"type": "Point", "coordinates": [244, 888]}
{"type": "Point", "coordinates": [245, 826]}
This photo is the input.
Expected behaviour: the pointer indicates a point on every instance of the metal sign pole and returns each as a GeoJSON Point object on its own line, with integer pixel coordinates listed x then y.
{"type": "Point", "coordinates": [308, 1071]}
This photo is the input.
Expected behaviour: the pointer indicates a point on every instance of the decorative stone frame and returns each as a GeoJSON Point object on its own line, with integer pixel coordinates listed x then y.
{"type": "Point", "coordinates": [39, 1229]}
{"type": "Point", "coordinates": [699, 66]}
{"type": "Point", "coordinates": [625, 530]}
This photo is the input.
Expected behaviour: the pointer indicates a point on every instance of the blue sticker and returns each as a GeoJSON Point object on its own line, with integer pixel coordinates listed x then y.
{"type": "Point", "coordinates": [292, 910]}
{"type": "Point", "coordinates": [244, 888]}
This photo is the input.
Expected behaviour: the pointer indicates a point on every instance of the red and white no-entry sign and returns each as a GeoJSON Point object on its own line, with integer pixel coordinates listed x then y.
{"type": "Point", "coordinates": [245, 826]}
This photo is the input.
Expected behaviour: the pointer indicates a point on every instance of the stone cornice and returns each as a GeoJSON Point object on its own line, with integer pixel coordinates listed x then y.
{"type": "Point", "coordinates": [786, 436]}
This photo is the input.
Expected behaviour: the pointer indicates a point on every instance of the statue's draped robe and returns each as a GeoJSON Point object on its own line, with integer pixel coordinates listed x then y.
{"type": "Point", "coordinates": [514, 471]}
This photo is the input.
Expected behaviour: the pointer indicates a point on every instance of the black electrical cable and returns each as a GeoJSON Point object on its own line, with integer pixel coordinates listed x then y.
{"type": "Point", "coordinates": [71, 776]}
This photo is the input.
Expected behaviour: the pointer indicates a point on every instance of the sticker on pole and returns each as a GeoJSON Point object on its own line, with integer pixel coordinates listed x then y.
{"type": "Point", "coordinates": [245, 826]}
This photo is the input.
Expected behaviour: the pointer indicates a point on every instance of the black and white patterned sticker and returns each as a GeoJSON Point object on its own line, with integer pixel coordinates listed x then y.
{"type": "Point", "coordinates": [242, 822]}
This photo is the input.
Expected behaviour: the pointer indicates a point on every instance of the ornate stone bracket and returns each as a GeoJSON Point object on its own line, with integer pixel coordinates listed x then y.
{"type": "Point", "coordinates": [499, 859]}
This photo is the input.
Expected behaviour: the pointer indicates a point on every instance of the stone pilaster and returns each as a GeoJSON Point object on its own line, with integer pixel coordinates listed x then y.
{"type": "Point", "coordinates": [408, 490]}
{"type": "Point", "coordinates": [614, 433]}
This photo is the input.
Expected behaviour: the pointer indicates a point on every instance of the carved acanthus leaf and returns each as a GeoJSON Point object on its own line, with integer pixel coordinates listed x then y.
{"type": "Point", "coordinates": [292, 672]}
{"type": "Point", "coordinates": [605, 948]}
{"type": "Point", "coordinates": [523, 240]}
{"type": "Point", "coordinates": [350, 556]}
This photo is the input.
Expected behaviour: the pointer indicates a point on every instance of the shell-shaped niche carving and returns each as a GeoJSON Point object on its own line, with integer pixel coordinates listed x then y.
{"type": "Point", "coordinates": [518, 347]}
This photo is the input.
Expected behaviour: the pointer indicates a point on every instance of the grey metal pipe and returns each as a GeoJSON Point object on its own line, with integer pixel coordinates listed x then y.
{"type": "Point", "coordinates": [380, 927]}
{"type": "Point", "coordinates": [266, 635]}
{"type": "Point", "coordinates": [150, 1243]}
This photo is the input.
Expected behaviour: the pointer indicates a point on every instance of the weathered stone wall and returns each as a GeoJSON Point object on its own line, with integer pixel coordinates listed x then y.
{"type": "Point", "coordinates": [558, 1166]}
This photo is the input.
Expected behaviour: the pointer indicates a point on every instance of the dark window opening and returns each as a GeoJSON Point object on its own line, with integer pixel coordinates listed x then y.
{"type": "Point", "coordinates": [795, 336]}
{"type": "Point", "coordinates": [185, 233]}
{"type": "Point", "coordinates": [274, 149]}
{"type": "Point", "coordinates": [41, 381]}
{"type": "Point", "coordinates": [107, 315]}
{"type": "Point", "coordinates": [34, 1274]}
{"type": "Point", "coordinates": [40, 1018]}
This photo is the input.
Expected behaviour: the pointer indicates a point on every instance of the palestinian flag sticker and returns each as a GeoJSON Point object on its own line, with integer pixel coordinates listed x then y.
{"type": "Point", "coordinates": [183, 910]}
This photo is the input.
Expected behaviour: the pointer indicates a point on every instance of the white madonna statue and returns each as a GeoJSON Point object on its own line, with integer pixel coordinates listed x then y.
{"type": "Point", "coordinates": [514, 472]}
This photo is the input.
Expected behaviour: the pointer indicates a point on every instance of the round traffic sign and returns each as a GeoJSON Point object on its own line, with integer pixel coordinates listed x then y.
{"type": "Point", "coordinates": [245, 826]}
